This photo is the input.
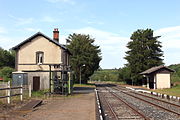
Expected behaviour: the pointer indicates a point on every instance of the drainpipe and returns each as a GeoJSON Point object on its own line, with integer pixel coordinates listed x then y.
{"type": "Point", "coordinates": [49, 78]}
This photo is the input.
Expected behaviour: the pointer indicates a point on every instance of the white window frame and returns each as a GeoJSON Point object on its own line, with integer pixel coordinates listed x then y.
{"type": "Point", "coordinates": [39, 57]}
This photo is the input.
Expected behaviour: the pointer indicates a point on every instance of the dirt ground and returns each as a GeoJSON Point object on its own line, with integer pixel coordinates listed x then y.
{"type": "Point", "coordinates": [80, 106]}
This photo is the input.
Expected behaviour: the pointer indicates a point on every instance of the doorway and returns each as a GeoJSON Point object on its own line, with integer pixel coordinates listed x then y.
{"type": "Point", "coordinates": [36, 83]}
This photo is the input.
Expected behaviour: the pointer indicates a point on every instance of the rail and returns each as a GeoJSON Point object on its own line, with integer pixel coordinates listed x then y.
{"type": "Point", "coordinates": [127, 104]}
{"type": "Point", "coordinates": [111, 109]}
{"type": "Point", "coordinates": [175, 112]}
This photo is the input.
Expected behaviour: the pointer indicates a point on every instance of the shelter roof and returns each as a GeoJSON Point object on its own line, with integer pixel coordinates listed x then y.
{"type": "Point", "coordinates": [154, 69]}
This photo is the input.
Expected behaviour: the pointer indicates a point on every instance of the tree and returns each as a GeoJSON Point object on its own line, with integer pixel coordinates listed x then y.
{"type": "Point", "coordinates": [124, 75]}
{"type": "Point", "coordinates": [85, 56]}
{"type": "Point", "coordinates": [7, 58]}
{"type": "Point", "coordinates": [144, 52]}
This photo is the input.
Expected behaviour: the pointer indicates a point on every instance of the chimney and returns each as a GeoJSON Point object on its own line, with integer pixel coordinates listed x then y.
{"type": "Point", "coordinates": [56, 34]}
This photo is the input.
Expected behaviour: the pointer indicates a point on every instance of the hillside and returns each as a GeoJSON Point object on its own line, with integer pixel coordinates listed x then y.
{"type": "Point", "coordinates": [113, 74]}
{"type": "Point", "coordinates": [105, 75]}
{"type": "Point", "coordinates": [175, 78]}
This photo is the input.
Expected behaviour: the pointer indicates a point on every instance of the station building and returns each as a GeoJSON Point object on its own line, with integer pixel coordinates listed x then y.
{"type": "Point", "coordinates": [42, 62]}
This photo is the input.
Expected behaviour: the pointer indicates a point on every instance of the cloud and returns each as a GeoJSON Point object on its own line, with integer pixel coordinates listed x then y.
{"type": "Point", "coordinates": [62, 39]}
{"type": "Point", "coordinates": [102, 37]}
{"type": "Point", "coordinates": [33, 29]}
{"type": "Point", "coordinates": [8, 42]}
{"type": "Point", "coordinates": [21, 21]}
{"type": "Point", "coordinates": [168, 30]}
{"type": "Point", "coordinates": [49, 19]}
{"type": "Point", "coordinates": [170, 38]}
{"type": "Point", "coordinates": [113, 46]}
{"type": "Point", "coordinates": [3, 30]}
{"type": "Point", "coordinates": [64, 1]}
{"type": "Point", "coordinates": [93, 22]}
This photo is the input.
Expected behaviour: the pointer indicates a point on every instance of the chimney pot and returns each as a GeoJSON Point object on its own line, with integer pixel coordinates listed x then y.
{"type": "Point", "coordinates": [56, 34]}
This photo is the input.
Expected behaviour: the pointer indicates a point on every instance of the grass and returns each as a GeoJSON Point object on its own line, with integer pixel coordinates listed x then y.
{"type": "Point", "coordinates": [109, 82]}
{"type": "Point", "coordinates": [39, 93]}
{"type": "Point", "coordinates": [84, 85]}
{"type": "Point", "coordinates": [114, 82]}
{"type": "Point", "coordinates": [175, 91]}
{"type": "Point", "coordinates": [1, 102]}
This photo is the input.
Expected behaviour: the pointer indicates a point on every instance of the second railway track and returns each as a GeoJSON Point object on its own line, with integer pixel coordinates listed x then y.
{"type": "Point", "coordinates": [142, 107]}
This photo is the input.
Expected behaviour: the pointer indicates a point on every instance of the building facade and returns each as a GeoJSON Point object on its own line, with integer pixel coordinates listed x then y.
{"type": "Point", "coordinates": [43, 59]}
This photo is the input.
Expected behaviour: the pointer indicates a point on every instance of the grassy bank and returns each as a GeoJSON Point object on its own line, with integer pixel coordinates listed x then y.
{"type": "Point", "coordinates": [84, 85]}
{"type": "Point", "coordinates": [175, 91]}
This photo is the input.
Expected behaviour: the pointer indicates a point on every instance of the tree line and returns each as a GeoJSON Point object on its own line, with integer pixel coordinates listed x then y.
{"type": "Point", "coordinates": [7, 63]}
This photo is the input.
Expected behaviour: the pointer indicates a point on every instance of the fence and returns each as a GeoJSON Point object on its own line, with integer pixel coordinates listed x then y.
{"type": "Point", "coordinates": [3, 92]}
{"type": "Point", "coordinates": [8, 91]}
{"type": "Point", "coordinates": [3, 84]}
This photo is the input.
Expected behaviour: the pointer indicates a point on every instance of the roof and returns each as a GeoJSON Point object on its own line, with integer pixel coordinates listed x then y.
{"type": "Point", "coordinates": [1, 78]}
{"type": "Point", "coordinates": [43, 35]}
{"type": "Point", "coordinates": [154, 69]}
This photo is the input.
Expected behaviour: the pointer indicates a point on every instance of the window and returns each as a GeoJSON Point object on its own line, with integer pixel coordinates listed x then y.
{"type": "Point", "coordinates": [39, 57]}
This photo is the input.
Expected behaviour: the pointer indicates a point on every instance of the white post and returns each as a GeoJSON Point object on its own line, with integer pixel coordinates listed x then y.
{"type": "Point", "coordinates": [8, 92]}
{"type": "Point", "coordinates": [147, 82]}
{"type": "Point", "coordinates": [21, 92]}
{"type": "Point", "coordinates": [29, 90]}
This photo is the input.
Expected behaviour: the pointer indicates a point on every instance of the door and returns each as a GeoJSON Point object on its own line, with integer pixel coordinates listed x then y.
{"type": "Point", "coordinates": [36, 83]}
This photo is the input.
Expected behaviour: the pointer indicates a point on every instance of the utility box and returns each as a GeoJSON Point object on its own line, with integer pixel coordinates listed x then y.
{"type": "Point", "coordinates": [19, 78]}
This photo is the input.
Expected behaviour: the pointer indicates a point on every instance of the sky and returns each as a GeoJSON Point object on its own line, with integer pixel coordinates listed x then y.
{"type": "Point", "coordinates": [109, 22]}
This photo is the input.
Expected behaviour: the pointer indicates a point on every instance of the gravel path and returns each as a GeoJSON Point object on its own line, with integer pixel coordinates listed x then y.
{"type": "Point", "coordinates": [76, 107]}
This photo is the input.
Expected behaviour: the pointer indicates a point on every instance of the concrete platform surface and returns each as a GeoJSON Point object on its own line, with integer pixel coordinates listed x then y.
{"type": "Point", "coordinates": [76, 107]}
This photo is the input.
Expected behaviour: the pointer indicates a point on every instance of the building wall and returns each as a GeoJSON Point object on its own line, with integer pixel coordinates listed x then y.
{"type": "Point", "coordinates": [163, 80]}
{"type": "Point", "coordinates": [26, 60]}
{"type": "Point", "coordinates": [27, 54]}
{"type": "Point", "coordinates": [44, 79]}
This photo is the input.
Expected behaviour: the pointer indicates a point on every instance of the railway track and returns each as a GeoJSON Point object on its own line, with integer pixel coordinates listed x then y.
{"type": "Point", "coordinates": [116, 108]}
{"type": "Point", "coordinates": [168, 106]}
{"type": "Point", "coordinates": [147, 107]}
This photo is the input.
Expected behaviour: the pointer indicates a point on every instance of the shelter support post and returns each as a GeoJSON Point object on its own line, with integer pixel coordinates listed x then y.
{"type": "Point", "coordinates": [155, 82]}
{"type": "Point", "coordinates": [147, 82]}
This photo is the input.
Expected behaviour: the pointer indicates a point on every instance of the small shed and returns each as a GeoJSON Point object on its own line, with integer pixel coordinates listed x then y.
{"type": "Point", "coordinates": [158, 77]}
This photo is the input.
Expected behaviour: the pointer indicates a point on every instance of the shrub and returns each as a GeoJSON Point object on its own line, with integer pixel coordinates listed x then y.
{"type": "Point", "coordinates": [6, 73]}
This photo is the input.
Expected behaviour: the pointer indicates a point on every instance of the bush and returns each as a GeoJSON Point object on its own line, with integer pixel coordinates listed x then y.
{"type": "Point", "coordinates": [6, 73]}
